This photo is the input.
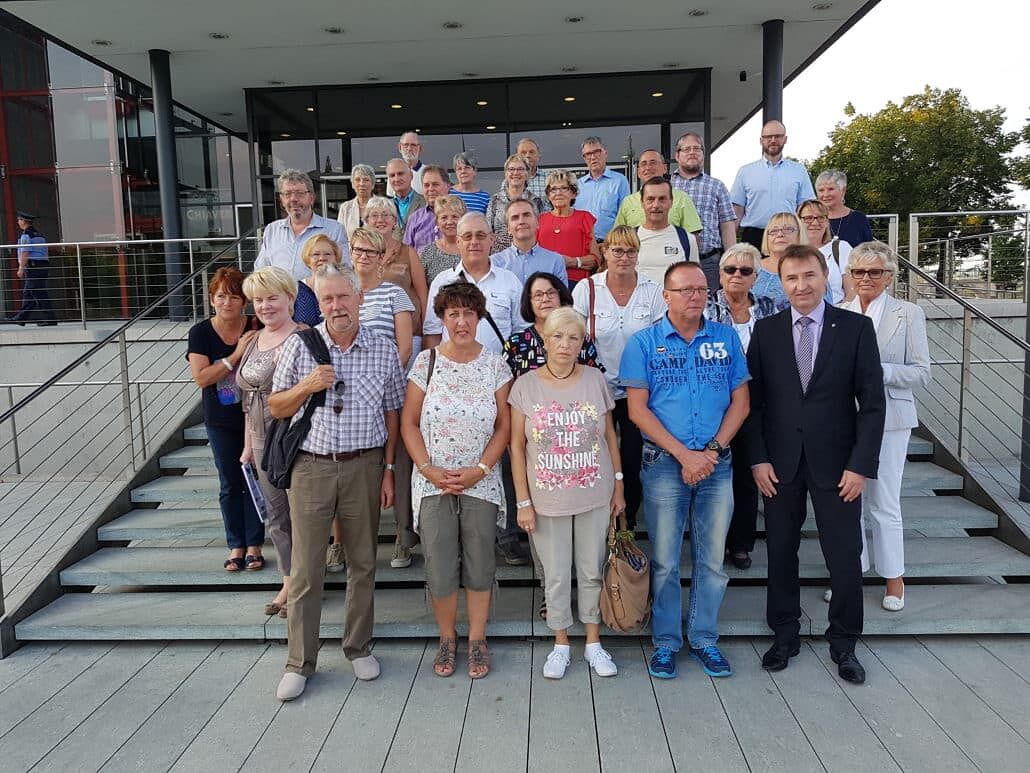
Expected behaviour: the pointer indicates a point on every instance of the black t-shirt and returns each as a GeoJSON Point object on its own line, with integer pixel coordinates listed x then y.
{"type": "Point", "coordinates": [221, 400]}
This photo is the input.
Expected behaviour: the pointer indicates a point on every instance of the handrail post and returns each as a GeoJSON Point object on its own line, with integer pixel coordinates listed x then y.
{"type": "Point", "coordinates": [967, 341]}
{"type": "Point", "coordinates": [142, 423]}
{"type": "Point", "coordinates": [82, 283]}
{"type": "Point", "coordinates": [14, 431]}
{"type": "Point", "coordinates": [123, 355]}
{"type": "Point", "coordinates": [990, 261]}
{"type": "Point", "coordinates": [193, 282]}
{"type": "Point", "coordinates": [913, 254]}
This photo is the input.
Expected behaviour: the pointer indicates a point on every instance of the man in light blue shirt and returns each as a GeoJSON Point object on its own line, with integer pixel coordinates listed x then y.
{"type": "Point", "coordinates": [601, 190]}
{"type": "Point", "coordinates": [772, 184]}
{"type": "Point", "coordinates": [283, 240]}
{"type": "Point", "coordinates": [686, 379]}
{"type": "Point", "coordinates": [525, 257]}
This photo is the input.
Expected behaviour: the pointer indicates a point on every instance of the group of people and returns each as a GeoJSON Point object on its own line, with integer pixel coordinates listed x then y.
{"type": "Point", "coordinates": [563, 367]}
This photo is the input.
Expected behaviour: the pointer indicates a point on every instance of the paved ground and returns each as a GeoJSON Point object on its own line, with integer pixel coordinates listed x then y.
{"type": "Point", "coordinates": [931, 704]}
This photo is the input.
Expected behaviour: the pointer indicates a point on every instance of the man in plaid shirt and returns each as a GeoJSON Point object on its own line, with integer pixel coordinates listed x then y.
{"type": "Point", "coordinates": [712, 199]}
{"type": "Point", "coordinates": [344, 470]}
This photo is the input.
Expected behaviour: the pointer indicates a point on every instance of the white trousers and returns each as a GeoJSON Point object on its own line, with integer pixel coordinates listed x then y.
{"type": "Point", "coordinates": [881, 509]}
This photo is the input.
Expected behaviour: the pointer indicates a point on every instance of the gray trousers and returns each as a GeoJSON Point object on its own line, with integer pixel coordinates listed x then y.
{"type": "Point", "coordinates": [277, 527]}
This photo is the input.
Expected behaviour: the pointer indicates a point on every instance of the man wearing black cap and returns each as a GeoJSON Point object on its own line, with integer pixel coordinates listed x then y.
{"type": "Point", "coordinates": [33, 268]}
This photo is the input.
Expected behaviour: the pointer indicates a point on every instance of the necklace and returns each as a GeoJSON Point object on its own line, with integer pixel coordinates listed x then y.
{"type": "Point", "coordinates": [560, 378]}
{"type": "Point", "coordinates": [559, 218]}
{"type": "Point", "coordinates": [840, 222]}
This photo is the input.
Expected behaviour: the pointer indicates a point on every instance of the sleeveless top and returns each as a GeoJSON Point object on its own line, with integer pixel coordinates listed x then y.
{"type": "Point", "coordinates": [398, 272]}
{"type": "Point", "coordinates": [254, 378]}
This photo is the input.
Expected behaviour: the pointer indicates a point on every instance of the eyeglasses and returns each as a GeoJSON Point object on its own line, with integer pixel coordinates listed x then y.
{"type": "Point", "coordinates": [543, 295]}
{"type": "Point", "coordinates": [338, 388]}
{"type": "Point", "coordinates": [511, 169]}
{"type": "Point", "coordinates": [687, 292]}
{"type": "Point", "coordinates": [742, 270]}
{"type": "Point", "coordinates": [785, 231]}
{"type": "Point", "coordinates": [592, 153]}
{"type": "Point", "coordinates": [773, 136]}
{"type": "Point", "coordinates": [559, 189]}
{"type": "Point", "coordinates": [622, 252]}
{"type": "Point", "coordinates": [810, 219]}
{"type": "Point", "coordinates": [364, 252]}
{"type": "Point", "coordinates": [872, 273]}
{"type": "Point", "coordinates": [294, 194]}
{"type": "Point", "coordinates": [690, 149]}
{"type": "Point", "coordinates": [479, 236]}
{"type": "Point", "coordinates": [377, 214]}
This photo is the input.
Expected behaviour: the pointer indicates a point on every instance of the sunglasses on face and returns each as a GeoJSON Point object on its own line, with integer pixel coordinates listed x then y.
{"type": "Point", "coordinates": [742, 270]}
{"type": "Point", "coordinates": [338, 388]}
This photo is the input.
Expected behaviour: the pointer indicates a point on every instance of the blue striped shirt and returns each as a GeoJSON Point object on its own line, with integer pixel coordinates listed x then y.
{"type": "Point", "coordinates": [477, 201]}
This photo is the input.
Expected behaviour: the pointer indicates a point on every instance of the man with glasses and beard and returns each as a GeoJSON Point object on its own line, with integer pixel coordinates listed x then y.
{"type": "Point", "coordinates": [344, 470]}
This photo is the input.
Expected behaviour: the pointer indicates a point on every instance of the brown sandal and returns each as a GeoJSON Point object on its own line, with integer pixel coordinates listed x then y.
{"type": "Point", "coordinates": [443, 665]}
{"type": "Point", "coordinates": [479, 659]}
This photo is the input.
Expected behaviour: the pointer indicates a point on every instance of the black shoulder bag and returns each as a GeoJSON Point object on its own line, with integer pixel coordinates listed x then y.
{"type": "Point", "coordinates": [284, 436]}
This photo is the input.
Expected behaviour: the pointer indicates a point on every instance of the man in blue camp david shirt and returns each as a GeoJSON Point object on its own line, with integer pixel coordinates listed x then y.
{"type": "Point", "coordinates": [686, 381]}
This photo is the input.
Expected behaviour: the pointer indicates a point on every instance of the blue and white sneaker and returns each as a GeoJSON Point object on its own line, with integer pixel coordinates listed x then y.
{"type": "Point", "coordinates": [711, 660]}
{"type": "Point", "coordinates": [663, 664]}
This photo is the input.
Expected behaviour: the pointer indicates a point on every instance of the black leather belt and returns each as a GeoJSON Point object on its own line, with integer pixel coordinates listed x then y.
{"type": "Point", "coordinates": [340, 456]}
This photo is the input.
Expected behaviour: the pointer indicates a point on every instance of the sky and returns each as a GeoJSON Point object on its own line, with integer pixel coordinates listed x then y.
{"type": "Point", "coordinates": [900, 46]}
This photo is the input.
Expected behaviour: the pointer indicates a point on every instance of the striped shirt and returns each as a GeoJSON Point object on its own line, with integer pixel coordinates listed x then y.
{"type": "Point", "coordinates": [712, 200]}
{"type": "Point", "coordinates": [477, 201]}
{"type": "Point", "coordinates": [380, 306]}
{"type": "Point", "coordinates": [369, 381]}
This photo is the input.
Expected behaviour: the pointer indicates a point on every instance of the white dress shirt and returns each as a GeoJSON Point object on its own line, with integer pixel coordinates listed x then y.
{"type": "Point", "coordinates": [503, 292]}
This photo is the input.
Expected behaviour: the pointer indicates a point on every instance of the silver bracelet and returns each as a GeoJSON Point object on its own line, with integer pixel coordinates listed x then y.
{"type": "Point", "coordinates": [524, 503]}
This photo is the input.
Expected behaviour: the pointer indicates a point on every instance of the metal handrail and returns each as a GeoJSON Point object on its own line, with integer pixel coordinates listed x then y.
{"type": "Point", "coordinates": [979, 313]}
{"type": "Point", "coordinates": [127, 242]}
{"type": "Point", "coordinates": [120, 330]}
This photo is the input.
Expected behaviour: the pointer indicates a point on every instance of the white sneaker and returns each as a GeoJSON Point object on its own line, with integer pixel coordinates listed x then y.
{"type": "Point", "coordinates": [557, 662]}
{"type": "Point", "coordinates": [600, 661]}
{"type": "Point", "coordinates": [290, 686]}
{"type": "Point", "coordinates": [827, 595]}
{"type": "Point", "coordinates": [366, 669]}
{"type": "Point", "coordinates": [334, 561]}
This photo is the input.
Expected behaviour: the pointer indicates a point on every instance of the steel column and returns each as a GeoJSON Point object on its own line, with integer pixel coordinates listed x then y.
{"type": "Point", "coordinates": [772, 70]}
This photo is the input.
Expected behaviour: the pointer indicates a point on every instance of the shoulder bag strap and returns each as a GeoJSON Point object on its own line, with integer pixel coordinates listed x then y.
{"type": "Point", "coordinates": [313, 340]}
{"type": "Point", "coordinates": [835, 247]}
{"type": "Point", "coordinates": [504, 341]}
{"type": "Point", "coordinates": [593, 298]}
{"type": "Point", "coordinates": [432, 366]}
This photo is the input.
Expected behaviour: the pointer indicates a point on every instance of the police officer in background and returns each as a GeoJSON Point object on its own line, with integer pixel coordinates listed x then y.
{"type": "Point", "coordinates": [33, 269]}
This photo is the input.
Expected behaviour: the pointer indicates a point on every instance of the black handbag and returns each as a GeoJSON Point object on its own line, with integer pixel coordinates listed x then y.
{"type": "Point", "coordinates": [284, 436]}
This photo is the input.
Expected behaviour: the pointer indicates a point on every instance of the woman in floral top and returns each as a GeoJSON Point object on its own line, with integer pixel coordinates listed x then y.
{"type": "Point", "coordinates": [455, 427]}
{"type": "Point", "coordinates": [568, 482]}
{"type": "Point", "coordinates": [542, 294]}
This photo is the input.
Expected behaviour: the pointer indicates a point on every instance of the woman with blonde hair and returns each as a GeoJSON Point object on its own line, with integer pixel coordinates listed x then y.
{"type": "Point", "coordinates": [815, 219]}
{"type": "Point", "coordinates": [272, 291]}
{"type": "Point", "coordinates": [317, 251]}
{"type": "Point", "coordinates": [442, 253]}
{"type": "Point", "coordinates": [782, 230]}
{"type": "Point", "coordinates": [568, 482]}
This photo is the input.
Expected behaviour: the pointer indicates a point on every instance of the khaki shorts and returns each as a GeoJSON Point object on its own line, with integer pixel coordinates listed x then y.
{"type": "Point", "coordinates": [458, 543]}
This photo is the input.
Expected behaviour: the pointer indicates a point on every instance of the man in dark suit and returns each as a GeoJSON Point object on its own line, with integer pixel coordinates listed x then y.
{"type": "Point", "coordinates": [817, 414]}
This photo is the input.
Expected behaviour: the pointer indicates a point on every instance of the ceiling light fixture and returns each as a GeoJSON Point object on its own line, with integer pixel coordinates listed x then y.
{"type": "Point", "coordinates": [470, 74]}
{"type": "Point", "coordinates": [372, 78]}
{"type": "Point", "coordinates": [310, 109]}
{"type": "Point", "coordinates": [695, 12]}
{"type": "Point", "coordinates": [226, 115]}
{"type": "Point", "coordinates": [569, 99]}
{"type": "Point", "coordinates": [276, 83]}
{"type": "Point", "coordinates": [101, 42]}
{"type": "Point", "coordinates": [490, 127]}
{"type": "Point", "coordinates": [333, 30]}
{"type": "Point", "coordinates": [670, 65]}
{"type": "Point", "coordinates": [569, 68]}
{"type": "Point", "coordinates": [341, 134]}
{"type": "Point", "coordinates": [657, 93]}
{"type": "Point", "coordinates": [218, 35]}
{"type": "Point", "coordinates": [482, 103]}
{"type": "Point", "coordinates": [822, 6]}
{"type": "Point", "coordinates": [452, 25]}
{"type": "Point", "coordinates": [396, 106]}
{"type": "Point", "coordinates": [285, 135]}
{"type": "Point", "coordinates": [573, 19]}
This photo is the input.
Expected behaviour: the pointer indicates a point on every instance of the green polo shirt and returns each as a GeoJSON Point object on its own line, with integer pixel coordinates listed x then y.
{"type": "Point", "coordinates": [683, 212]}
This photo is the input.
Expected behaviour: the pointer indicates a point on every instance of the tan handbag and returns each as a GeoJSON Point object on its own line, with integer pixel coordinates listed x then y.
{"type": "Point", "coordinates": [626, 593]}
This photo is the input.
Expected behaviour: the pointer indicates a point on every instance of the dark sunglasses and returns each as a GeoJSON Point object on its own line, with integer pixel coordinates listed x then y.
{"type": "Point", "coordinates": [338, 388]}
{"type": "Point", "coordinates": [742, 270]}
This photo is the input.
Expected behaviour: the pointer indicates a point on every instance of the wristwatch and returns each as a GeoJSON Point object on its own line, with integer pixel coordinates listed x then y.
{"type": "Point", "coordinates": [389, 467]}
{"type": "Point", "coordinates": [619, 476]}
{"type": "Point", "coordinates": [713, 445]}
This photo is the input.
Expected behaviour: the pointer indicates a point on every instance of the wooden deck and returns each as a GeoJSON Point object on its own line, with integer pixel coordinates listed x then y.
{"type": "Point", "coordinates": [930, 704]}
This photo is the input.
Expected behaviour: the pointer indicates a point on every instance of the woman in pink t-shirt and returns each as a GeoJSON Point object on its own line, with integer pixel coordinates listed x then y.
{"type": "Point", "coordinates": [567, 481]}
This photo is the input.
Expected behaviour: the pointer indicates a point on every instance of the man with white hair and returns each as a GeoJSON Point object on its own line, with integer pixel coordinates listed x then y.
{"type": "Point", "coordinates": [410, 148]}
{"type": "Point", "coordinates": [283, 240]}
{"type": "Point", "coordinates": [344, 468]}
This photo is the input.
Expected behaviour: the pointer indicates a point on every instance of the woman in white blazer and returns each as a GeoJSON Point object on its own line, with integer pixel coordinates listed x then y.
{"type": "Point", "coordinates": [905, 357]}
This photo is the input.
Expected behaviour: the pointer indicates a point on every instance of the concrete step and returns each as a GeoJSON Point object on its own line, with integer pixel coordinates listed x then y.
{"type": "Point", "coordinates": [918, 446]}
{"type": "Point", "coordinates": [201, 489]}
{"type": "Point", "coordinates": [193, 566]}
{"type": "Point", "coordinates": [189, 457]}
{"type": "Point", "coordinates": [920, 513]}
{"type": "Point", "coordinates": [188, 566]}
{"type": "Point", "coordinates": [930, 609]}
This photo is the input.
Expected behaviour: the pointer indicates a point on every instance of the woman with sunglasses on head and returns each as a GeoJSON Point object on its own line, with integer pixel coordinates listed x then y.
{"type": "Point", "coordinates": [736, 305]}
{"type": "Point", "coordinates": [386, 310]}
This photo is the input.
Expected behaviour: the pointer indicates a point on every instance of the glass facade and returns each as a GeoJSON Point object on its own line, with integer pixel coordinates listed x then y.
{"type": "Point", "coordinates": [325, 130]}
{"type": "Point", "coordinates": [77, 149]}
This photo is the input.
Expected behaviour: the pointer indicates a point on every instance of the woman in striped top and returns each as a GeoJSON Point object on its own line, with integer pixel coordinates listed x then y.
{"type": "Point", "coordinates": [465, 169]}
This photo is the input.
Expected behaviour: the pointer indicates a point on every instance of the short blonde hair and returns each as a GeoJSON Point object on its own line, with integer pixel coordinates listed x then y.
{"type": "Point", "coordinates": [270, 279]}
{"type": "Point", "coordinates": [622, 236]}
{"type": "Point", "coordinates": [742, 250]}
{"type": "Point", "coordinates": [309, 246]}
{"type": "Point", "coordinates": [782, 219]}
{"type": "Point", "coordinates": [562, 177]}
{"type": "Point", "coordinates": [450, 203]}
{"type": "Point", "coordinates": [380, 204]}
{"type": "Point", "coordinates": [516, 157]}
{"type": "Point", "coordinates": [370, 235]}
{"type": "Point", "coordinates": [867, 252]}
{"type": "Point", "coordinates": [564, 316]}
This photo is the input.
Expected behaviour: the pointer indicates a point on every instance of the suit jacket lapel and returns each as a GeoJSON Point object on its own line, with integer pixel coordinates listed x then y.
{"type": "Point", "coordinates": [889, 323]}
{"type": "Point", "coordinates": [786, 323]}
{"type": "Point", "coordinates": [826, 341]}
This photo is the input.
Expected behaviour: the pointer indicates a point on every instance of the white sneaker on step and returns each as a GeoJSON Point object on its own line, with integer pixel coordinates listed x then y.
{"type": "Point", "coordinates": [601, 661]}
{"type": "Point", "coordinates": [557, 662]}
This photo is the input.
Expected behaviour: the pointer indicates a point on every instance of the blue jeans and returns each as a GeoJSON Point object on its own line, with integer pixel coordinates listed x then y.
{"type": "Point", "coordinates": [243, 528]}
{"type": "Point", "coordinates": [668, 503]}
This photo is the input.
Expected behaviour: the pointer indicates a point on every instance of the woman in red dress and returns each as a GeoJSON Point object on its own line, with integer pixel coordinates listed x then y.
{"type": "Point", "coordinates": [568, 231]}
